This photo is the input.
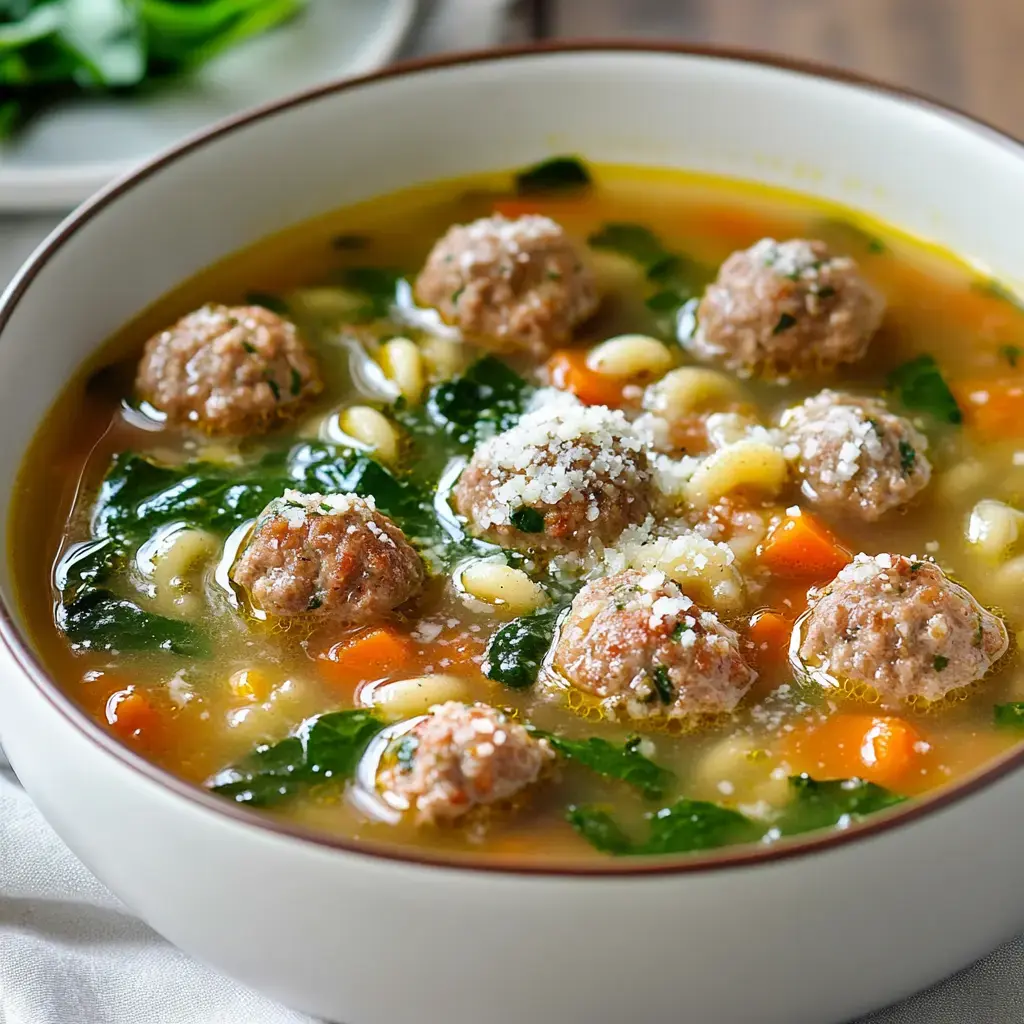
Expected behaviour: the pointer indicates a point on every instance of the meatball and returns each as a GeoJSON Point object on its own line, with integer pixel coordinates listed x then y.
{"type": "Point", "coordinates": [786, 309]}
{"type": "Point", "coordinates": [900, 626]}
{"type": "Point", "coordinates": [853, 456]}
{"type": "Point", "coordinates": [228, 370]}
{"type": "Point", "coordinates": [510, 284]}
{"type": "Point", "coordinates": [557, 479]}
{"type": "Point", "coordinates": [459, 757]}
{"type": "Point", "coordinates": [636, 641]}
{"type": "Point", "coordinates": [332, 557]}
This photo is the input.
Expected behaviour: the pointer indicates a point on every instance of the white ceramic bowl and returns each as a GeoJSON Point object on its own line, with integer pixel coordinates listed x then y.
{"type": "Point", "coordinates": [815, 932]}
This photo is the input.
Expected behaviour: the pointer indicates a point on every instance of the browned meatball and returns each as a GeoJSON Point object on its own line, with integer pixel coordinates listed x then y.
{"type": "Point", "coordinates": [228, 370]}
{"type": "Point", "coordinates": [556, 480]}
{"type": "Point", "coordinates": [787, 309]}
{"type": "Point", "coordinates": [332, 557]}
{"type": "Point", "coordinates": [459, 757]}
{"type": "Point", "coordinates": [853, 456]}
{"type": "Point", "coordinates": [636, 641]}
{"type": "Point", "coordinates": [900, 626]}
{"type": "Point", "coordinates": [512, 284]}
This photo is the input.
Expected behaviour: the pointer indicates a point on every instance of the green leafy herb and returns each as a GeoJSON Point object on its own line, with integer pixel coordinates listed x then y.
{"type": "Point", "coordinates": [683, 827]}
{"type": "Point", "coordinates": [921, 386]}
{"type": "Point", "coordinates": [825, 804]}
{"type": "Point", "coordinates": [51, 49]}
{"type": "Point", "coordinates": [377, 284]}
{"type": "Point", "coordinates": [939, 662]}
{"type": "Point", "coordinates": [786, 320]}
{"type": "Point", "coordinates": [529, 520]}
{"type": "Point", "coordinates": [272, 302]}
{"type": "Point", "coordinates": [1010, 715]}
{"type": "Point", "coordinates": [631, 240]}
{"type": "Point", "coordinates": [485, 400]}
{"type": "Point", "coordinates": [679, 629]}
{"type": "Point", "coordinates": [275, 388]}
{"type": "Point", "coordinates": [908, 456]}
{"type": "Point", "coordinates": [624, 763]}
{"type": "Point", "coordinates": [1011, 353]}
{"type": "Point", "coordinates": [324, 748]}
{"type": "Point", "coordinates": [516, 651]}
{"type": "Point", "coordinates": [296, 385]}
{"type": "Point", "coordinates": [560, 174]}
{"type": "Point", "coordinates": [663, 684]}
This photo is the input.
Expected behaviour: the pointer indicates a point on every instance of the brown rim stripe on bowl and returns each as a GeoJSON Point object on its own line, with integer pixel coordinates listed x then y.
{"type": "Point", "coordinates": [728, 858]}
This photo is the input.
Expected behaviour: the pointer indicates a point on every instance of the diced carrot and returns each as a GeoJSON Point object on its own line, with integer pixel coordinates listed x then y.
{"type": "Point", "coordinates": [130, 714]}
{"type": "Point", "coordinates": [369, 654]}
{"type": "Point", "coordinates": [798, 546]}
{"type": "Point", "coordinates": [739, 226]}
{"type": "Point", "coordinates": [992, 408]}
{"type": "Point", "coordinates": [881, 749]}
{"type": "Point", "coordinates": [768, 636]}
{"type": "Point", "coordinates": [569, 371]}
{"type": "Point", "coordinates": [558, 209]}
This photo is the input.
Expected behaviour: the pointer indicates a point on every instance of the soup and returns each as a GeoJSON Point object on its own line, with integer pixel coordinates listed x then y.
{"type": "Point", "coordinates": [562, 515]}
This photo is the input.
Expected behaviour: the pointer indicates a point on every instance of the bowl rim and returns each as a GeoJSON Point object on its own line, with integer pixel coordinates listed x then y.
{"type": "Point", "coordinates": [20, 648]}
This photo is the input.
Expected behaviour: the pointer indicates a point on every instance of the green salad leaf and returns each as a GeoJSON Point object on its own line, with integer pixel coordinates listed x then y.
{"type": "Point", "coordinates": [559, 174]}
{"type": "Point", "coordinates": [52, 49]}
{"type": "Point", "coordinates": [920, 386]}
{"type": "Point", "coordinates": [1010, 715]}
{"type": "Point", "coordinates": [327, 747]}
{"type": "Point", "coordinates": [612, 761]}
{"type": "Point", "coordinates": [817, 805]}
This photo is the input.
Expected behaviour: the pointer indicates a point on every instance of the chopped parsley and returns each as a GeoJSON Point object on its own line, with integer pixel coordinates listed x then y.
{"type": "Point", "coordinates": [274, 387]}
{"type": "Point", "coordinates": [939, 662]}
{"type": "Point", "coordinates": [249, 347]}
{"type": "Point", "coordinates": [786, 320]}
{"type": "Point", "coordinates": [908, 457]}
{"type": "Point", "coordinates": [316, 601]}
{"type": "Point", "coordinates": [272, 302]}
{"type": "Point", "coordinates": [679, 629]}
{"type": "Point", "coordinates": [296, 382]}
{"type": "Point", "coordinates": [405, 751]}
{"type": "Point", "coordinates": [1010, 715]}
{"type": "Point", "coordinates": [921, 387]}
{"type": "Point", "coordinates": [529, 520]}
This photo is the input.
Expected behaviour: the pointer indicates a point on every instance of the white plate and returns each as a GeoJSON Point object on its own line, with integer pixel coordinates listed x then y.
{"type": "Point", "coordinates": [75, 148]}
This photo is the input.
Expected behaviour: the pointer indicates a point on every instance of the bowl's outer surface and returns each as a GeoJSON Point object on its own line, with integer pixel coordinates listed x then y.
{"type": "Point", "coordinates": [369, 940]}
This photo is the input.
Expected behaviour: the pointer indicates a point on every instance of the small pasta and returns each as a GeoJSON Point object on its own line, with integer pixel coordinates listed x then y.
{"type": "Point", "coordinates": [705, 571]}
{"type": "Point", "coordinates": [407, 698]}
{"type": "Point", "coordinates": [614, 272]}
{"type": "Point", "coordinates": [753, 463]}
{"type": "Point", "coordinates": [173, 566]}
{"type": "Point", "coordinates": [691, 389]}
{"type": "Point", "coordinates": [994, 529]}
{"type": "Point", "coordinates": [402, 361]}
{"type": "Point", "coordinates": [495, 583]}
{"type": "Point", "coordinates": [1004, 587]}
{"type": "Point", "coordinates": [325, 303]}
{"type": "Point", "coordinates": [372, 429]}
{"type": "Point", "coordinates": [742, 771]}
{"type": "Point", "coordinates": [444, 357]}
{"type": "Point", "coordinates": [630, 357]}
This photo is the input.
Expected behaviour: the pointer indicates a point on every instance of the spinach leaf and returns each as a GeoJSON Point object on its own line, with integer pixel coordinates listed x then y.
{"type": "Point", "coordinates": [683, 827]}
{"type": "Point", "coordinates": [921, 386]}
{"type": "Point", "coordinates": [625, 762]}
{"type": "Point", "coordinates": [378, 285]}
{"type": "Point", "coordinates": [1010, 715]}
{"type": "Point", "coordinates": [634, 241]}
{"type": "Point", "coordinates": [516, 651]}
{"type": "Point", "coordinates": [559, 174]}
{"type": "Point", "coordinates": [99, 621]}
{"type": "Point", "coordinates": [326, 747]}
{"type": "Point", "coordinates": [818, 805]}
{"type": "Point", "coordinates": [485, 400]}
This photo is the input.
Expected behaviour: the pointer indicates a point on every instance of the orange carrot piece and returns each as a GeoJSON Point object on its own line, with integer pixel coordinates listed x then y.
{"type": "Point", "coordinates": [569, 371]}
{"type": "Point", "coordinates": [768, 636]}
{"type": "Point", "coordinates": [881, 749]}
{"type": "Point", "coordinates": [130, 714]}
{"type": "Point", "coordinates": [369, 654]}
{"type": "Point", "coordinates": [739, 226]}
{"type": "Point", "coordinates": [798, 546]}
{"type": "Point", "coordinates": [994, 408]}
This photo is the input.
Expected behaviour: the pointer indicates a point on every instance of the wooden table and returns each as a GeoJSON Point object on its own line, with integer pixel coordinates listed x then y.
{"type": "Point", "coordinates": [965, 52]}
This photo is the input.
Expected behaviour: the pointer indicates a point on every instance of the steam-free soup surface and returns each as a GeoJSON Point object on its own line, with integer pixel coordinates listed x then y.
{"type": "Point", "coordinates": [659, 605]}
